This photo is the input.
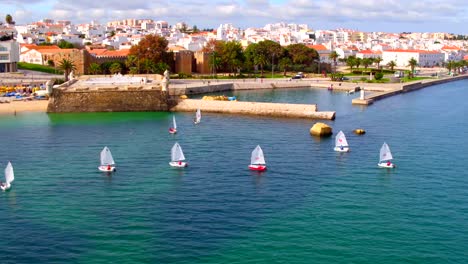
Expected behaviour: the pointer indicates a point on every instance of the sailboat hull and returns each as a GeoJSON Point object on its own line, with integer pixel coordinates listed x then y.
{"type": "Point", "coordinates": [178, 164]}
{"type": "Point", "coordinates": [107, 169]}
{"type": "Point", "coordinates": [339, 149]}
{"type": "Point", "coordinates": [255, 167]}
{"type": "Point", "coordinates": [5, 187]}
{"type": "Point", "coordinates": [386, 165]}
{"type": "Point", "coordinates": [172, 130]}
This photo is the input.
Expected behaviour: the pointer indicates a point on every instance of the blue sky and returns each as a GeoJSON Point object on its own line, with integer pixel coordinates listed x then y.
{"type": "Point", "coordinates": [368, 15]}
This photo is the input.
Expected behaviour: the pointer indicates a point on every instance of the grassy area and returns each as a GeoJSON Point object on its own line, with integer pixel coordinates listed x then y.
{"type": "Point", "coordinates": [37, 67]}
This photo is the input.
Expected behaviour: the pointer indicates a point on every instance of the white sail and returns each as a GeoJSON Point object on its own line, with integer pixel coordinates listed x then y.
{"type": "Point", "coordinates": [198, 116]}
{"type": "Point", "coordinates": [9, 174]}
{"type": "Point", "coordinates": [176, 153]}
{"type": "Point", "coordinates": [340, 140]}
{"type": "Point", "coordinates": [385, 153]}
{"type": "Point", "coordinates": [257, 157]}
{"type": "Point", "coordinates": [106, 157]}
{"type": "Point", "coordinates": [174, 124]}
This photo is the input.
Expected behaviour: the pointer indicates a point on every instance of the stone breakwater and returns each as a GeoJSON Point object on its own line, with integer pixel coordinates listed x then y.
{"type": "Point", "coordinates": [254, 108]}
{"type": "Point", "coordinates": [371, 98]}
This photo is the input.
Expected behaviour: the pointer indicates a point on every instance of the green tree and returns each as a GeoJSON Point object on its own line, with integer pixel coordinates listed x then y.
{"type": "Point", "coordinates": [391, 64]}
{"type": "Point", "coordinates": [153, 48]}
{"type": "Point", "coordinates": [232, 55]}
{"type": "Point", "coordinates": [66, 66]}
{"type": "Point", "coordinates": [301, 54]}
{"type": "Point", "coordinates": [378, 60]}
{"type": "Point", "coordinates": [358, 62]}
{"type": "Point", "coordinates": [412, 63]}
{"type": "Point", "coordinates": [334, 56]}
{"type": "Point", "coordinates": [9, 19]}
{"type": "Point", "coordinates": [284, 64]}
{"type": "Point", "coordinates": [65, 44]}
{"type": "Point", "coordinates": [351, 62]}
{"type": "Point", "coordinates": [160, 67]}
{"type": "Point", "coordinates": [115, 68]}
{"type": "Point", "coordinates": [147, 65]}
{"type": "Point", "coordinates": [132, 61]}
{"type": "Point", "coordinates": [94, 68]}
{"type": "Point", "coordinates": [366, 62]}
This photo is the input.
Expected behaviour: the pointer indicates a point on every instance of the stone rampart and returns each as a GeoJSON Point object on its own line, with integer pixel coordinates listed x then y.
{"type": "Point", "coordinates": [109, 99]}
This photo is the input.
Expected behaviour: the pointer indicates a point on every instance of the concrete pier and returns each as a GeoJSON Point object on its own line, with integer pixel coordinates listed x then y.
{"type": "Point", "coordinates": [404, 88]}
{"type": "Point", "coordinates": [254, 108]}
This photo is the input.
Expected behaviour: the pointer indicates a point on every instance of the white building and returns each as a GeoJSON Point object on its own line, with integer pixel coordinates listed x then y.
{"type": "Point", "coordinates": [423, 57]}
{"type": "Point", "coordinates": [9, 56]}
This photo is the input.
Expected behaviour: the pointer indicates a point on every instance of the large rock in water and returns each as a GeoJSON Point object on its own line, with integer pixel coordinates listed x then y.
{"type": "Point", "coordinates": [321, 130]}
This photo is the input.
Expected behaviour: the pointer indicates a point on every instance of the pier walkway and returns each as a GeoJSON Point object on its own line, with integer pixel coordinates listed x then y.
{"type": "Point", "coordinates": [253, 108]}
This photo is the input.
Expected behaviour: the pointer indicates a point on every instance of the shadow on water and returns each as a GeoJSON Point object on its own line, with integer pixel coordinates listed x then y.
{"type": "Point", "coordinates": [104, 117]}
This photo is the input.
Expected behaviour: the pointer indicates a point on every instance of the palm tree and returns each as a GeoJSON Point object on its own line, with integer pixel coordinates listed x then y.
{"type": "Point", "coordinates": [378, 60]}
{"type": "Point", "coordinates": [366, 62]}
{"type": "Point", "coordinates": [115, 68]}
{"type": "Point", "coordinates": [94, 68]}
{"type": "Point", "coordinates": [334, 56]}
{"type": "Point", "coordinates": [284, 64]}
{"type": "Point", "coordinates": [391, 64]}
{"type": "Point", "coordinates": [148, 65]}
{"type": "Point", "coordinates": [131, 61]}
{"type": "Point", "coordinates": [358, 62]}
{"type": "Point", "coordinates": [66, 66]}
{"type": "Point", "coordinates": [412, 63]}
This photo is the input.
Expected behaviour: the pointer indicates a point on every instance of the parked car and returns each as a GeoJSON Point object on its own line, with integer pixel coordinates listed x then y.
{"type": "Point", "coordinates": [344, 78]}
{"type": "Point", "coordinates": [297, 76]}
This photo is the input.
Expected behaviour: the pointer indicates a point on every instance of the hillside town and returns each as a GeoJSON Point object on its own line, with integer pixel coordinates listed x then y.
{"type": "Point", "coordinates": [37, 43]}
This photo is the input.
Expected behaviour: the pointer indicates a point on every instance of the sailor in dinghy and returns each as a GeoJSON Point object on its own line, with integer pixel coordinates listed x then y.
{"type": "Point", "coordinates": [9, 177]}
{"type": "Point", "coordinates": [197, 119]}
{"type": "Point", "coordinates": [177, 157]}
{"type": "Point", "coordinates": [107, 161]}
{"type": "Point", "coordinates": [385, 157]}
{"type": "Point", "coordinates": [257, 160]}
{"type": "Point", "coordinates": [341, 144]}
{"type": "Point", "coordinates": [173, 129]}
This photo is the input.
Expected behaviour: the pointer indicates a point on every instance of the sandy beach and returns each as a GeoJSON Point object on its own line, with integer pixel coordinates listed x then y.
{"type": "Point", "coordinates": [24, 106]}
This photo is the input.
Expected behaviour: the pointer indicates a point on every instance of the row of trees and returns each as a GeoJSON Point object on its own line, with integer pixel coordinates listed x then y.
{"type": "Point", "coordinates": [151, 56]}
{"type": "Point", "coordinates": [229, 56]}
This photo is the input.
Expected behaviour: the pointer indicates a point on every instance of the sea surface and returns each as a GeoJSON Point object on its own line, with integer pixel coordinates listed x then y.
{"type": "Point", "coordinates": [312, 205]}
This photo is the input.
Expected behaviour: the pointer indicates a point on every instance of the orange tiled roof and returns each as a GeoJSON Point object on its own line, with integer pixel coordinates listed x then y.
{"type": "Point", "coordinates": [36, 47]}
{"type": "Point", "coordinates": [369, 52]}
{"type": "Point", "coordinates": [450, 48]}
{"type": "Point", "coordinates": [317, 47]}
{"type": "Point", "coordinates": [110, 53]}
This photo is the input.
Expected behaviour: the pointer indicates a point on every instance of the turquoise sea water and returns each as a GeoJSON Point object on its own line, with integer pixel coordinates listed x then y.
{"type": "Point", "coordinates": [312, 205]}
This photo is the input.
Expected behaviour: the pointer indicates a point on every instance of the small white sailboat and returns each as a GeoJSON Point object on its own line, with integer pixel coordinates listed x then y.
{"type": "Point", "coordinates": [107, 161]}
{"type": "Point", "coordinates": [173, 129]}
{"type": "Point", "coordinates": [197, 117]}
{"type": "Point", "coordinates": [9, 177]}
{"type": "Point", "coordinates": [341, 144]}
{"type": "Point", "coordinates": [385, 157]}
{"type": "Point", "coordinates": [177, 157]}
{"type": "Point", "coordinates": [257, 160]}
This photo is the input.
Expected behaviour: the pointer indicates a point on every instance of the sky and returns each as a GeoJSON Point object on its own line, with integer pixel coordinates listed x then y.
{"type": "Point", "coordinates": [364, 15]}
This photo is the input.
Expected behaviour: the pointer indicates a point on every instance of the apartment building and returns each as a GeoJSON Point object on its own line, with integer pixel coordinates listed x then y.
{"type": "Point", "coordinates": [9, 56]}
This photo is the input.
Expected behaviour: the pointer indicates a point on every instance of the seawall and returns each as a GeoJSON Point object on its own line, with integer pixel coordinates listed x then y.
{"type": "Point", "coordinates": [130, 99]}
{"type": "Point", "coordinates": [371, 98]}
{"type": "Point", "coordinates": [253, 108]}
